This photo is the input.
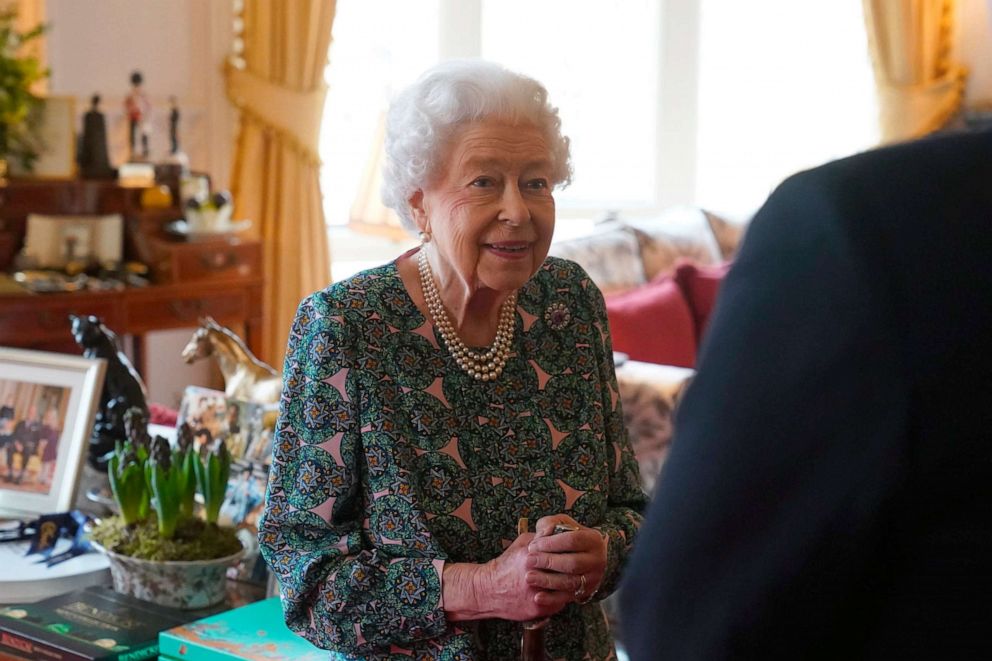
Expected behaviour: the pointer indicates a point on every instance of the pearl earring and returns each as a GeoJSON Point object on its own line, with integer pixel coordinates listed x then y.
{"type": "Point", "coordinates": [425, 237]}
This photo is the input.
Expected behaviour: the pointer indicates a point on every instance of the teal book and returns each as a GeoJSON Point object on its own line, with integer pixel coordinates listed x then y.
{"type": "Point", "coordinates": [256, 632]}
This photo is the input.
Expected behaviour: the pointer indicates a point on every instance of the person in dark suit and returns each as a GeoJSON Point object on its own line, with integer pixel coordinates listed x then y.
{"type": "Point", "coordinates": [829, 489]}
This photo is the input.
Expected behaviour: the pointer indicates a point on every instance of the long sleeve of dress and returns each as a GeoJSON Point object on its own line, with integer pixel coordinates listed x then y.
{"type": "Point", "coordinates": [339, 590]}
{"type": "Point", "coordinates": [627, 499]}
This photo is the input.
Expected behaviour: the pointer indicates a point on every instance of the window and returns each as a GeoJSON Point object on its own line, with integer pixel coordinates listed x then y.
{"type": "Point", "coordinates": [599, 61]}
{"type": "Point", "coordinates": [708, 102]}
{"type": "Point", "coordinates": [378, 47]}
{"type": "Point", "coordinates": [784, 85]}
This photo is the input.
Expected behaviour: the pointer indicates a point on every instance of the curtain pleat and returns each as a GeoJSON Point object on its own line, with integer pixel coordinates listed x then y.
{"type": "Point", "coordinates": [920, 85]}
{"type": "Point", "coordinates": [276, 172]}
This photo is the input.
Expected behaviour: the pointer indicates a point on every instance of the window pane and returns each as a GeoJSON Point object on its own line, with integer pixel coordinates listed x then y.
{"type": "Point", "coordinates": [784, 85]}
{"type": "Point", "coordinates": [599, 61]}
{"type": "Point", "coordinates": [378, 47]}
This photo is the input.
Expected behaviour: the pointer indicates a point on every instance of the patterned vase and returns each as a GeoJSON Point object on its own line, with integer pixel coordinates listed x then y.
{"type": "Point", "coordinates": [188, 585]}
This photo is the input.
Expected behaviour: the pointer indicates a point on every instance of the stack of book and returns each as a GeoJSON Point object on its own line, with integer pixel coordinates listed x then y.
{"type": "Point", "coordinates": [256, 631]}
{"type": "Point", "coordinates": [95, 624]}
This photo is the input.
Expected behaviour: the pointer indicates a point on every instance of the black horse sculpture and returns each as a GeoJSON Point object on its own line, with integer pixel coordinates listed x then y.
{"type": "Point", "coordinates": [122, 387]}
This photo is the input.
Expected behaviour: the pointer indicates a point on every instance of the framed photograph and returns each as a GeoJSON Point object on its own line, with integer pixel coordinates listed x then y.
{"type": "Point", "coordinates": [241, 509]}
{"type": "Point", "coordinates": [54, 241]}
{"type": "Point", "coordinates": [47, 405]}
{"type": "Point", "coordinates": [57, 137]}
{"type": "Point", "coordinates": [214, 417]}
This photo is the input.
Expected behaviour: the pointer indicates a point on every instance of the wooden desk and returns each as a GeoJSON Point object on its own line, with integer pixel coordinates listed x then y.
{"type": "Point", "coordinates": [221, 277]}
{"type": "Point", "coordinates": [40, 321]}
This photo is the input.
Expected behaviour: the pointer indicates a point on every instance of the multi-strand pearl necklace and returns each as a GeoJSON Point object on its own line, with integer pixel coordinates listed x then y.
{"type": "Point", "coordinates": [484, 366]}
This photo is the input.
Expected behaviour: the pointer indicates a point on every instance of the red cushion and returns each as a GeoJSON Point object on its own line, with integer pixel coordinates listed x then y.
{"type": "Point", "coordinates": [700, 284]}
{"type": "Point", "coordinates": [159, 414]}
{"type": "Point", "coordinates": [653, 323]}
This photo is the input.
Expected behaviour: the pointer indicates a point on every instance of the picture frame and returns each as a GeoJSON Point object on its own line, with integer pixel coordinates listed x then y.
{"type": "Point", "coordinates": [47, 405]}
{"type": "Point", "coordinates": [57, 137]}
{"type": "Point", "coordinates": [212, 416]}
{"type": "Point", "coordinates": [52, 241]}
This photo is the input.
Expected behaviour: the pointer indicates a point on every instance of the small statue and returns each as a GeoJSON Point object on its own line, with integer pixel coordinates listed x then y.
{"type": "Point", "coordinates": [92, 157]}
{"type": "Point", "coordinates": [173, 125]}
{"type": "Point", "coordinates": [138, 111]}
{"type": "Point", "coordinates": [245, 376]}
{"type": "Point", "coordinates": [123, 389]}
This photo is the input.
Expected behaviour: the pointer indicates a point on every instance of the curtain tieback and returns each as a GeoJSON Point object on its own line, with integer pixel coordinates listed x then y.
{"type": "Point", "coordinates": [294, 114]}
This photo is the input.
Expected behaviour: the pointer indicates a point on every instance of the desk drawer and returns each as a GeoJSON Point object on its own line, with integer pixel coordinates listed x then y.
{"type": "Point", "coordinates": [185, 310]}
{"type": "Point", "coordinates": [231, 261]}
{"type": "Point", "coordinates": [207, 260]}
{"type": "Point", "coordinates": [34, 320]}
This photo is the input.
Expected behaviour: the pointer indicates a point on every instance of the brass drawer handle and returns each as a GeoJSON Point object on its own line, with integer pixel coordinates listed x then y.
{"type": "Point", "coordinates": [219, 260]}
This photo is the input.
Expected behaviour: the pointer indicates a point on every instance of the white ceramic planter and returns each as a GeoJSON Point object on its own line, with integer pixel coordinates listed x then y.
{"type": "Point", "coordinates": [188, 585]}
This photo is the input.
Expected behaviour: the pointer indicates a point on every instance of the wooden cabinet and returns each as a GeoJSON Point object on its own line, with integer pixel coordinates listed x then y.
{"type": "Point", "coordinates": [220, 259]}
{"type": "Point", "coordinates": [218, 277]}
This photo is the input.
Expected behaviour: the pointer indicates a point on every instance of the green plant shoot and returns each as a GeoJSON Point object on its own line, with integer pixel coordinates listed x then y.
{"type": "Point", "coordinates": [184, 462]}
{"type": "Point", "coordinates": [127, 482]}
{"type": "Point", "coordinates": [212, 475]}
{"type": "Point", "coordinates": [166, 494]}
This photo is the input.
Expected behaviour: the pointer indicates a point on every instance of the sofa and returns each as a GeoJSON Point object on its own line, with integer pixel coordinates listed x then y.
{"type": "Point", "coordinates": [660, 278]}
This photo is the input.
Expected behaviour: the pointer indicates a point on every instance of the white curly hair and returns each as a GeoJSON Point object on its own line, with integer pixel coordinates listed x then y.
{"type": "Point", "coordinates": [447, 96]}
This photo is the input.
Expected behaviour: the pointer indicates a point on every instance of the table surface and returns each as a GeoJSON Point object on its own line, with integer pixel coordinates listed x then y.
{"type": "Point", "coordinates": [24, 579]}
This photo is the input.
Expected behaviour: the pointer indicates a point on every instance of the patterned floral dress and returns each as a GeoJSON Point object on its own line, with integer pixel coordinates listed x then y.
{"type": "Point", "coordinates": [389, 461]}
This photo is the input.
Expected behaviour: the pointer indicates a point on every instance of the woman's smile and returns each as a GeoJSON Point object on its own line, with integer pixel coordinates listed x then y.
{"type": "Point", "coordinates": [509, 249]}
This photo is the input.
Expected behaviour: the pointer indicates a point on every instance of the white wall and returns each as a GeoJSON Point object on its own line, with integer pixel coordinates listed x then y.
{"type": "Point", "coordinates": [179, 46]}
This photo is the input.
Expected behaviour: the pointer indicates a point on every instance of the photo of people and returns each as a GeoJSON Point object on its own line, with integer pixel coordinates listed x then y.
{"type": "Point", "coordinates": [32, 416]}
{"type": "Point", "coordinates": [214, 417]}
{"type": "Point", "coordinates": [245, 493]}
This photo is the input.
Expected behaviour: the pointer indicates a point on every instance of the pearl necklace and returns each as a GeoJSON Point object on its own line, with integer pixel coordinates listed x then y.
{"type": "Point", "coordinates": [482, 366]}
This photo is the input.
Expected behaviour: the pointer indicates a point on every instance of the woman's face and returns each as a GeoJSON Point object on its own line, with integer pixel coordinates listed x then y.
{"type": "Point", "coordinates": [489, 209]}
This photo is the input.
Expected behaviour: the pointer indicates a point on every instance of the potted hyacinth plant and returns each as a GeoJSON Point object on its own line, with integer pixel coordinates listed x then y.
{"type": "Point", "coordinates": [162, 547]}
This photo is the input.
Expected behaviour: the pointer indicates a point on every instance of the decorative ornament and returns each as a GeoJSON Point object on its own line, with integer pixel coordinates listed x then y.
{"type": "Point", "coordinates": [482, 366]}
{"type": "Point", "coordinates": [557, 316]}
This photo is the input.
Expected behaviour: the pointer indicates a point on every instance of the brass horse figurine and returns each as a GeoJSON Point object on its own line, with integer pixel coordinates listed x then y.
{"type": "Point", "coordinates": [245, 376]}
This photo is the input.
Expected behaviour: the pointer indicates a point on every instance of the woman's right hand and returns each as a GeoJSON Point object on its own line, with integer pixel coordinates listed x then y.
{"type": "Point", "coordinates": [507, 589]}
{"type": "Point", "coordinates": [499, 588]}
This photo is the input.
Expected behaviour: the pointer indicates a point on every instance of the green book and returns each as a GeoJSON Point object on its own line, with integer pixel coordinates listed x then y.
{"type": "Point", "coordinates": [256, 631]}
{"type": "Point", "coordinates": [95, 624]}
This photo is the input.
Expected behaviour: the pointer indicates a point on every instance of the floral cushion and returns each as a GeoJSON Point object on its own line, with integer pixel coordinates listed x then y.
{"type": "Point", "coordinates": [611, 257]}
{"type": "Point", "coordinates": [728, 233]}
{"type": "Point", "coordinates": [678, 232]}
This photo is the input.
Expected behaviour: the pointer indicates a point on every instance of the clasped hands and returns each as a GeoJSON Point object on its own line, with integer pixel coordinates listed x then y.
{"type": "Point", "coordinates": [541, 573]}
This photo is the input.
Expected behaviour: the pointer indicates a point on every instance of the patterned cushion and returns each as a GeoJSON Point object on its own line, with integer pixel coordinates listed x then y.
{"type": "Point", "coordinates": [678, 232]}
{"type": "Point", "coordinates": [728, 233]}
{"type": "Point", "coordinates": [611, 257]}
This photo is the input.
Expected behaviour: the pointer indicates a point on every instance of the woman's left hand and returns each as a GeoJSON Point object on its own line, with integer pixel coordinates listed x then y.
{"type": "Point", "coordinates": [573, 561]}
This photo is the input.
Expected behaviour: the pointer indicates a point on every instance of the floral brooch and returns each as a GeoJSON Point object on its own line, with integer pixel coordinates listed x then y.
{"type": "Point", "coordinates": [557, 316]}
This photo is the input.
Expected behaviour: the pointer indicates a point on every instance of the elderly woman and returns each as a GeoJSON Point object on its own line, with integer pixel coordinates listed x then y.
{"type": "Point", "coordinates": [432, 403]}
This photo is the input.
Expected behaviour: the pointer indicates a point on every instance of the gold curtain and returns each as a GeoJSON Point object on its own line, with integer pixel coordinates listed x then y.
{"type": "Point", "coordinates": [920, 84]}
{"type": "Point", "coordinates": [278, 87]}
